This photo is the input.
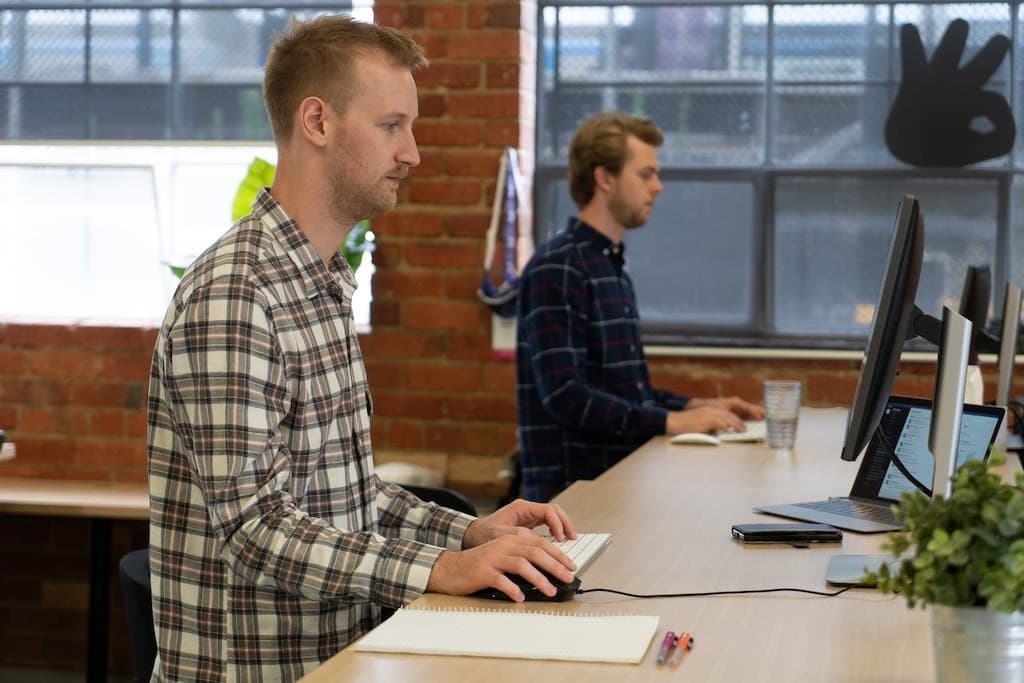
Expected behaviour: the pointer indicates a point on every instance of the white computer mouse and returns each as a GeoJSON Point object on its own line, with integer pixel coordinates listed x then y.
{"type": "Point", "coordinates": [696, 439]}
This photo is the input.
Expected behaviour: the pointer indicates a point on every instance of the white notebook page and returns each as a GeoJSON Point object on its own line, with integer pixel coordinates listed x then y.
{"type": "Point", "coordinates": [523, 635]}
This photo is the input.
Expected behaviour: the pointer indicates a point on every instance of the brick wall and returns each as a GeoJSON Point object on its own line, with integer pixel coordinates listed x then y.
{"type": "Point", "coordinates": [73, 400]}
{"type": "Point", "coordinates": [73, 397]}
{"type": "Point", "coordinates": [439, 400]}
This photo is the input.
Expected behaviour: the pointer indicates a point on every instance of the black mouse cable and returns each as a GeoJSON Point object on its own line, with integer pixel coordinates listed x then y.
{"type": "Point", "coordinates": [705, 594]}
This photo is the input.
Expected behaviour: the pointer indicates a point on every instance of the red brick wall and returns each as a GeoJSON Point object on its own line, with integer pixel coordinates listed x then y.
{"type": "Point", "coordinates": [73, 399]}
{"type": "Point", "coordinates": [438, 398]}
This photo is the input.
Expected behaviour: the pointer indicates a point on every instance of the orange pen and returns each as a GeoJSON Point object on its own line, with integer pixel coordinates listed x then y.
{"type": "Point", "coordinates": [683, 643]}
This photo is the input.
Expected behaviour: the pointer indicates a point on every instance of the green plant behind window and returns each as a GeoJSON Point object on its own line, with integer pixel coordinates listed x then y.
{"type": "Point", "coordinates": [260, 174]}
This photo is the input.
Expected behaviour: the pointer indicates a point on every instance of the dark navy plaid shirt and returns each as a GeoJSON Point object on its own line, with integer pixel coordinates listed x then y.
{"type": "Point", "coordinates": [585, 399]}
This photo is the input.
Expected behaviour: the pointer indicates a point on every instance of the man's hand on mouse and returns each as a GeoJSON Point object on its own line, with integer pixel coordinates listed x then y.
{"type": "Point", "coordinates": [467, 571]}
{"type": "Point", "coordinates": [505, 542]}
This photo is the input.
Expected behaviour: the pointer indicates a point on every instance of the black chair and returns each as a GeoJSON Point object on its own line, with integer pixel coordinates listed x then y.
{"type": "Point", "coordinates": [513, 473]}
{"type": "Point", "coordinates": [448, 498]}
{"type": "Point", "coordinates": [138, 608]}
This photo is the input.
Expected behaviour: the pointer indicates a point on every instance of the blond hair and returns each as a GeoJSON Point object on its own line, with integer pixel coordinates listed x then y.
{"type": "Point", "coordinates": [315, 58]}
{"type": "Point", "coordinates": [601, 141]}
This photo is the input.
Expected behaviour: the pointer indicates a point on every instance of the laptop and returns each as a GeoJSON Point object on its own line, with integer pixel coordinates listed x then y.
{"type": "Point", "coordinates": [879, 484]}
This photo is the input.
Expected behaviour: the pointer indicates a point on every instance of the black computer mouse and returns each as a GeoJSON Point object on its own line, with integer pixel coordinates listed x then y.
{"type": "Point", "coordinates": [563, 591]}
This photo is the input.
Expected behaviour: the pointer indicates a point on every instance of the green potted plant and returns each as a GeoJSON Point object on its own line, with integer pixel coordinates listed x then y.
{"type": "Point", "coordinates": [964, 556]}
{"type": "Point", "coordinates": [260, 174]}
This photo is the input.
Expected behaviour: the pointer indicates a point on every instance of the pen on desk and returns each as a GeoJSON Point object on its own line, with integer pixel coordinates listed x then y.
{"type": "Point", "coordinates": [683, 643]}
{"type": "Point", "coordinates": [666, 646]}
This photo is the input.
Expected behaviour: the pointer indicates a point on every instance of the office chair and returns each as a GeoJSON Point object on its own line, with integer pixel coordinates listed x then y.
{"type": "Point", "coordinates": [442, 496]}
{"type": "Point", "coordinates": [138, 608]}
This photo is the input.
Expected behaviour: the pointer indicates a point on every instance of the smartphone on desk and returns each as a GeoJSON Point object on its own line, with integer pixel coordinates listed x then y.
{"type": "Point", "coordinates": [794, 534]}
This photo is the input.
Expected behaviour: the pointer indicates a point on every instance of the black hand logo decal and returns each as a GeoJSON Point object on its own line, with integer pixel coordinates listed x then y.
{"type": "Point", "coordinates": [930, 123]}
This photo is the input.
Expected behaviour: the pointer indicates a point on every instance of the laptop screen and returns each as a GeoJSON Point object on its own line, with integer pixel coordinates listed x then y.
{"type": "Point", "coordinates": [905, 423]}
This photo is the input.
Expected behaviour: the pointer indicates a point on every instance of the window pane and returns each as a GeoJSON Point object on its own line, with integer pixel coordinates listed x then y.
{"type": "Point", "coordinates": [206, 57]}
{"type": "Point", "coordinates": [832, 236]}
{"type": "Point", "coordinates": [1018, 104]}
{"type": "Point", "coordinates": [100, 240]}
{"type": "Point", "coordinates": [222, 112]}
{"type": "Point", "coordinates": [128, 45]}
{"type": "Point", "coordinates": [132, 73]}
{"type": "Point", "coordinates": [698, 71]}
{"type": "Point", "coordinates": [31, 113]}
{"type": "Point", "coordinates": [764, 91]}
{"type": "Point", "coordinates": [129, 112]}
{"type": "Point", "coordinates": [1015, 242]}
{"type": "Point", "coordinates": [832, 43]}
{"type": "Point", "coordinates": [817, 125]}
{"type": "Point", "coordinates": [693, 261]}
{"type": "Point", "coordinates": [48, 45]}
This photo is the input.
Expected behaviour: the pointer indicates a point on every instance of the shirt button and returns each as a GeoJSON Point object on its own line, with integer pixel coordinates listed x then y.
{"type": "Point", "coordinates": [628, 309]}
{"type": "Point", "coordinates": [639, 385]}
{"type": "Point", "coordinates": [605, 252]}
{"type": "Point", "coordinates": [632, 347]}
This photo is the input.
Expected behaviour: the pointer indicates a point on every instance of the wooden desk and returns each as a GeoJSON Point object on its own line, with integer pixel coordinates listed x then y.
{"type": "Point", "coordinates": [670, 509]}
{"type": "Point", "coordinates": [100, 502]}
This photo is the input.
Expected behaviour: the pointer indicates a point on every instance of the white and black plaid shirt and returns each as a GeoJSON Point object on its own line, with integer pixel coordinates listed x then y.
{"type": "Point", "coordinates": [272, 541]}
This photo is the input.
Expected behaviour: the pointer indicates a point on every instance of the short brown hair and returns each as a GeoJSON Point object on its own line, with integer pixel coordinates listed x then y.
{"type": "Point", "coordinates": [314, 58]}
{"type": "Point", "coordinates": [601, 141]}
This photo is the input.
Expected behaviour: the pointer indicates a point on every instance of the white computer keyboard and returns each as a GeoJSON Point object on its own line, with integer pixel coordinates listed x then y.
{"type": "Point", "coordinates": [583, 549]}
{"type": "Point", "coordinates": [756, 431]}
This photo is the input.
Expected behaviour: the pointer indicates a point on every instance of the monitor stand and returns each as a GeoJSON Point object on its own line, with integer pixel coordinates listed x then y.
{"type": "Point", "coordinates": [849, 570]}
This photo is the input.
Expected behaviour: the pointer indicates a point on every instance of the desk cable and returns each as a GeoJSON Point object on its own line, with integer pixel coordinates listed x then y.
{"type": "Point", "coordinates": [895, 460]}
{"type": "Point", "coordinates": [714, 593]}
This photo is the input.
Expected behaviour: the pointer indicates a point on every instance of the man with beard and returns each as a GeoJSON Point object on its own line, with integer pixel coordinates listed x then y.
{"type": "Point", "coordinates": [584, 396]}
{"type": "Point", "coordinates": [273, 544]}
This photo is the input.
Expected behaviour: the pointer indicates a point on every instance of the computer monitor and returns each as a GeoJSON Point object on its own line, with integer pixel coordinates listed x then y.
{"type": "Point", "coordinates": [892, 325]}
{"type": "Point", "coordinates": [1008, 344]}
{"type": "Point", "coordinates": [948, 404]}
{"type": "Point", "coordinates": [974, 303]}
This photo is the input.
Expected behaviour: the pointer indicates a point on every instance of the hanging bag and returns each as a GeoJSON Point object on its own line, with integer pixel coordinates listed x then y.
{"type": "Point", "coordinates": [501, 297]}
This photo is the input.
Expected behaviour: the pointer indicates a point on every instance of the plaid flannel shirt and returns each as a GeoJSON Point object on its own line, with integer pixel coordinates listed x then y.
{"type": "Point", "coordinates": [584, 397]}
{"type": "Point", "coordinates": [273, 543]}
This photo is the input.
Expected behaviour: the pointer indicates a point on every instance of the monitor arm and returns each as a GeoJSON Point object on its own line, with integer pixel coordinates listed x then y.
{"type": "Point", "coordinates": [985, 342]}
{"type": "Point", "coordinates": [929, 328]}
{"type": "Point", "coordinates": [925, 326]}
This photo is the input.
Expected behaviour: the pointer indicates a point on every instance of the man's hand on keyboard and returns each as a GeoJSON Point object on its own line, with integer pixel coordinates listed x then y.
{"type": "Point", "coordinates": [518, 518]}
{"type": "Point", "coordinates": [706, 419]}
{"type": "Point", "coordinates": [734, 404]}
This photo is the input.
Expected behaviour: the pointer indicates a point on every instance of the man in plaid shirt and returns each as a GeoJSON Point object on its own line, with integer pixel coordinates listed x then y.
{"type": "Point", "coordinates": [585, 400]}
{"type": "Point", "coordinates": [273, 543]}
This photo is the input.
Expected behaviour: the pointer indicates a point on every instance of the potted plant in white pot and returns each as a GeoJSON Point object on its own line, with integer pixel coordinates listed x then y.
{"type": "Point", "coordinates": [964, 556]}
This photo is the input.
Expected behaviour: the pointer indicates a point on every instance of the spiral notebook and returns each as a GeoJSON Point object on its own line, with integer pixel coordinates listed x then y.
{"type": "Point", "coordinates": [613, 638]}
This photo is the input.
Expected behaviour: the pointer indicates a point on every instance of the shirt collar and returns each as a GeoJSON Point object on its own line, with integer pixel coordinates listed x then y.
{"type": "Point", "coordinates": [317, 277]}
{"type": "Point", "coordinates": [585, 234]}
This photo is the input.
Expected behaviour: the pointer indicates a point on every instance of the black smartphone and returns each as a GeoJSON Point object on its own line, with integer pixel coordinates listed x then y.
{"type": "Point", "coordinates": [794, 534]}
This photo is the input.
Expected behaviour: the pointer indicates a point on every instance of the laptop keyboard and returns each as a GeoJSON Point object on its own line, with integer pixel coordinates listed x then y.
{"type": "Point", "coordinates": [846, 507]}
